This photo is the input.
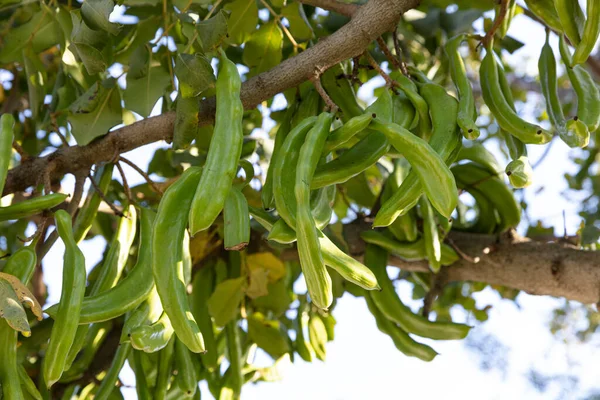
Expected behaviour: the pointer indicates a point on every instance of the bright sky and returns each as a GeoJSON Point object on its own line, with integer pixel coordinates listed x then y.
{"type": "Point", "coordinates": [362, 363]}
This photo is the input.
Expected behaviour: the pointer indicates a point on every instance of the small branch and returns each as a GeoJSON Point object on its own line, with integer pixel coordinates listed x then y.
{"type": "Point", "coordinates": [461, 253]}
{"type": "Point", "coordinates": [344, 9]}
{"type": "Point", "coordinates": [436, 286]}
{"type": "Point", "coordinates": [330, 103]}
{"type": "Point", "coordinates": [56, 130]}
{"type": "Point", "coordinates": [355, 70]}
{"type": "Point", "coordinates": [213, 9]}
{"type": "Point", "coordinates": [401, 51]}
{"type": "Point", "coordinates": [388, 54]}
{"type": "Point", "coordinates": [17, 147]}
{"type": "Point", "coordinates": [38, 231]}
{"type": "Point", "coordinates": [142, 173]}
{"type": "Point", "coordinates": [103, 197]}
{"type": "Point", "coordinates": [388, 81]}
{"type": "Point", "coordinates": [125, 184]}
{"type": "Point", "coordinates": [499, 18]}
{"type": "Point", "coordinates": [283, 27]}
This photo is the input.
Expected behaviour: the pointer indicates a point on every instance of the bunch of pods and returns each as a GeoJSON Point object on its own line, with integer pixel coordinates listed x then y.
{"type": "Point", "coordinates": [162, 306]}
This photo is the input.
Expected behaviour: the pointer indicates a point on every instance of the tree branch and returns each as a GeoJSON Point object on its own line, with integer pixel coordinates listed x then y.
{"type": "Point", "coordinates": [333, 5]}
{"type": "Point", "coordinates": [551, 269]}
{"type": "Point", "coordinates": [368, 22]}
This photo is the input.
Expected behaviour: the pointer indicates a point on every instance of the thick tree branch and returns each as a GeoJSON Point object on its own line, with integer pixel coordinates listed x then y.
{"type": "Point", "coordinates": [539, 268]}
{"type": "Point", "coordinates": [368, 22]}
{"type": "Point", "coordinates": [552, 269]}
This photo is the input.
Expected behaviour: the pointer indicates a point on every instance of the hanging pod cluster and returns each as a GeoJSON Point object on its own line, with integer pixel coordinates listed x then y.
{"type": "Point", "coordinates": [178, 315]}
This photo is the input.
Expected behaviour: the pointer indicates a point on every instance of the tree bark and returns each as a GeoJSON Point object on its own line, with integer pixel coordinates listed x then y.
{"type": "Point", "coordinates": [540, 268]}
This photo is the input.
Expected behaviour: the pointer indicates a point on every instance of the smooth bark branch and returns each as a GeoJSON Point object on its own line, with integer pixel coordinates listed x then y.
{"type": "Point", "coordinates": [368, 22]}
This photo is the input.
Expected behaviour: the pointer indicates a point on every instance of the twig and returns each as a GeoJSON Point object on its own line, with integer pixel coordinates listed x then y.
{"type": "Point", "coordinates": [142, 173]}
{"type": "Point", "coordinates": [125, 184]}
{"type": "Point", "coordinates": [54, 124]}
{"type": "Point", "coordinates": [435, 288]}
{"type": "Point", "coordinates": [17, 147]}
{"type": "Point", "coordinates": [401, 51]}
{"type": "Point", "coordinates": [388, 81]}
{"type": "Point", "coordinates": [355, 69]}
{"type": "Point", "coordinates": [46, 180]}
{"type": "Point", "coordinates": [212, 10]}
{"type": "Point", "coordinates": [283, 27]}
{"type": "Point", "coordinates": [461, 253]}
{"type": "Point", "coordinates": [317, 83]}
{"type": "Point", "coordinates": [388, 53]}
{"type": "Point", "coordinates": [103, 197]}
{"type": "Point", "coordinates": [499, 18]}
{"type": "Point", "coordinates": [38, 231]}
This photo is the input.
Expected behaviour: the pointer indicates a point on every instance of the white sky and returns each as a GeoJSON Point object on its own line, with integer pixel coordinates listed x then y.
{"type": "Point", "coordinates": [362, 363]}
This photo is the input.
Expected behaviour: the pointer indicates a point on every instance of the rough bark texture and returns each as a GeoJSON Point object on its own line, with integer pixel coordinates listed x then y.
{"type": "Point", "coordinates": [552, 269]}
{"type": "Point", "coordinates": [541, 268]}
{"type": "Point", "coordinates": [369, 22]}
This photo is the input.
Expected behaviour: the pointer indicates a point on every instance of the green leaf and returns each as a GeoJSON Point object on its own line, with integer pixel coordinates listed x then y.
{"type": "Point", "coordinates": [36, 77]}
{"type": "Point", "coordinates": [213, 31]}
{"type": "Point", "coordinates": [299, 26]}
{"type": "Point", "coordinates": [186, 121]}
{"type": "Point", "coordinates": [278, 3]}
{"type": "Point", "coordinates": [142, 2]}
{"type": "Point", "coordinates": [277, 301]}
{"type": "Point", "coordinates": [95, 112]}
{"type": "Point", "coordinates": [242, 21]}
{"type": "Point", "coordinates": [146, 82]}
{"type": "Point", "coordinates": [459, 21]}
{"type": "Point", "coordinates": [87, 44]}
{"type": "Point", "coordinates": [258, 283]}
{"type": "Point", "coordinates": [163, 165]}
{"type": "Point", "coordinates": [67, 94]}
{"type": "Point", "coordinates": [145, 31]}
{"type": "Point", "coordinates": [429, 25]}
{"type": "Point", "coordinates": [12, 310]}
{"type": "Point", "coordinates": [95, 13]}
{"type": "Point", "coordinates": [263, 50]}
{"type": "Point", "coordinates": [186, 4]}
{"type": "Point", "coordinates": [267, 335]}
{"type": "Point", "coordinates": [511, 44]}
{"type": "Point", "coordinates": [195, 74]}
{"type": "Point", "coordinates": [225, 301]}
{"type": "Point", "coordinates": [41, 32]}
